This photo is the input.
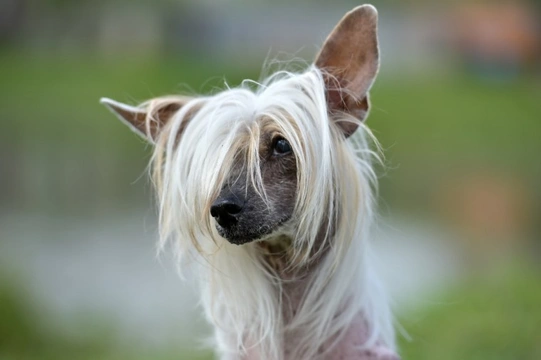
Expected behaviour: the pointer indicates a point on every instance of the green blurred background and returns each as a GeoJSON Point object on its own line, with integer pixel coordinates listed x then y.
{"type": "Point", "coordinates": [457, 108]}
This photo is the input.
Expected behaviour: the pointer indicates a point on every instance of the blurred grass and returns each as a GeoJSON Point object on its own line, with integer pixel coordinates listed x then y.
{"type": "Point", "coordinates": [55, 100]}
{"type": "Point", "coordinates": [494, 317]}
{"type": "Point", "coordinates": [435, 129]}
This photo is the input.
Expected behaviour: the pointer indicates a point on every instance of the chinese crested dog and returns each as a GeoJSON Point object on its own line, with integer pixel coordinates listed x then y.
{"type": "Point", "coordinates": [269, 187]}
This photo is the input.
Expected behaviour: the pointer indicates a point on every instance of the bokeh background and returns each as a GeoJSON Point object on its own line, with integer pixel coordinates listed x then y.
{"type": "Point", "coordinates": [457, 108]}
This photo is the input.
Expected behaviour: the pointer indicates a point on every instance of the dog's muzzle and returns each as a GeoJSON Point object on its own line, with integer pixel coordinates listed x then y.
{"type": "Point", "coordinates": [242, 217]}
{"type": "Point", "coordinates": [231, 221]}
{"type": "Point", "coordinates": [237, 222]}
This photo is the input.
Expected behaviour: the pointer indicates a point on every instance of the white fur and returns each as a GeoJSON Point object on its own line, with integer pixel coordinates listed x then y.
{"type": "Point", "coordinates": [335, 176]}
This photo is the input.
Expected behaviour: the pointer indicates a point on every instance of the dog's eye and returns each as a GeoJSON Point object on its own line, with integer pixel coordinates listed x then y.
{"type": "Point", "coordinates": [282, 147]}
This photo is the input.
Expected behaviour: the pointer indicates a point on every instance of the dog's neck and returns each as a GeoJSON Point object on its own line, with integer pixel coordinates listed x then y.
{"type": "Point", "coordinates": [277, 253]}
{"type": "Point", "coordinates": [279, 256]}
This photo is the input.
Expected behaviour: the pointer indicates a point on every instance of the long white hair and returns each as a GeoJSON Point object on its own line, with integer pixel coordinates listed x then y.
{"type": "Point", "coordinates": [333, 212]}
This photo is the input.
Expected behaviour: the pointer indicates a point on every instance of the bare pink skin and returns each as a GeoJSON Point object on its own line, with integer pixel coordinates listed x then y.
{"type": "Point", "coordinates": [348, 348]}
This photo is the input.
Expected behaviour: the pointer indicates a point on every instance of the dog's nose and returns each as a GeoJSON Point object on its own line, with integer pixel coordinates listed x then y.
{"type": "Point", "coordinates": [225, 211]}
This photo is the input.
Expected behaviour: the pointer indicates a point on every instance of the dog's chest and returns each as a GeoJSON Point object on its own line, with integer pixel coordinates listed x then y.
{"type": "Point", "coordinates": [349, 347]}
{"type": "Point", "coordinates": [278, 254]}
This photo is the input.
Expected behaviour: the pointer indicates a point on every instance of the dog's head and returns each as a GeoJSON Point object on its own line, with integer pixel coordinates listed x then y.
{"type": "Point", "coordinates": [252, 163]}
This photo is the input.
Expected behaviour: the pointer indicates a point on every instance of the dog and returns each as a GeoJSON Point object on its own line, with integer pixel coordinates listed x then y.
{"type": "Point", "coordinates": [269, 189]}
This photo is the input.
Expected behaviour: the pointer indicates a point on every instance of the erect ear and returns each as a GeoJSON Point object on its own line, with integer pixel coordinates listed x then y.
{"type": "Point", "coordinates": [349, 60]}
{"type": "Point", "coordinates": [149, 118]}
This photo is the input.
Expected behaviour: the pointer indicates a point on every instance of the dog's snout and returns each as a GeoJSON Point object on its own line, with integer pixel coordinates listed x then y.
{"type": "Point", "coordinates": [225, 211]}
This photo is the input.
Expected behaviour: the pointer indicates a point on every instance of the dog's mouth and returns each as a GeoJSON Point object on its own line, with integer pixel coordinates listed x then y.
{"type": "Point", "coordinates": [240, 235]}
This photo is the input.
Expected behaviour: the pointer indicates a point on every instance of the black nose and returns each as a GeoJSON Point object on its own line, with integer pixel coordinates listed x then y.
{"type": "Point", "coordinates": [225, 211]}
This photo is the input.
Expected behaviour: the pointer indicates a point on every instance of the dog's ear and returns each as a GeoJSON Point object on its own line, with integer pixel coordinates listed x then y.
{"type": "Point", "coordinates": [147, 119]}
{"type": "Point", "coordinates": [349, 60]}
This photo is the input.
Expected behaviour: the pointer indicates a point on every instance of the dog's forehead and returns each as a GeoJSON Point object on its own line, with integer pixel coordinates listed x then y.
{"type": "Point", "coordinates": [270, 128]}
{"type": "Point", "coordinates": [245, 121]}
